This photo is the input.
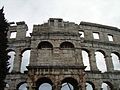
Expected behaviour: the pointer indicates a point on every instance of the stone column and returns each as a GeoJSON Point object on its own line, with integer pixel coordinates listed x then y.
{"type": "Point", "coordinates": [56, 83]}
{"type": "Point", "coordinates": [108, 60]}
{"type": "Point", "coordinates": [31, 88]}
{"type": "Point", "coordinates": [82, 86]}
{"type": "Point", "coordinates": [78, 55]}
{"type": "Point", "coordinates": [92, 60]}
{"type": "Point", "coordinates": [33, 57]}
{"type": "Point", "coordinates": [56, 87]}
{"type": "Point", "coordinates": [31, 85]}
{"type": "Point", "coordinates": [17, 61]}
{"type": "Point", "coordinates": [98, 85]}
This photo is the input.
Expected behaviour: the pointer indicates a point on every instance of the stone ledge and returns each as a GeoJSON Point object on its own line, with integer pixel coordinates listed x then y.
{"type": "Point", "coordinates": [99, 25]}
{"type": "Point", "coordinates": [57, 67]}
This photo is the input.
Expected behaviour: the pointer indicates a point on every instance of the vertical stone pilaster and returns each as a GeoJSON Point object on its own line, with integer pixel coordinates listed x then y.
{"type": "Point", "coordinates": [31, 86]}
{"type": "Point", "coordinates": [98, 85]}
{"type": "Point", "coordinates": [81, 81]}
{"type": "Point", "coordinates": [56, 84]}
{"type": "Point", "coordinates": [82, 86]}
{"type": "Point", "coordinates": [78, 54]}
{"type": "Point", "coordinates": [33, 57]}
{"type": "Point", "coordinates": [17, 61]}
{"type": "Point", "coordinates": [116, 85]}
{"type": "Point", "coordinates": [92, 60]}
{"type": "Point", "coordinates": [108, 60]}
{"type": "Point", "coordinates": [56, 87]}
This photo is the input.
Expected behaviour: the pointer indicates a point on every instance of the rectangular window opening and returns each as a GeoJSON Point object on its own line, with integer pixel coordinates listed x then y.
{"type": "Point", "coordinates": [96, 35]}
{"type": "Point", "coordinates": [13, 34]}
{"type": "Point", "coordinates": [81, 33]}
{"type": "Point", "coordinates": [110, 37]}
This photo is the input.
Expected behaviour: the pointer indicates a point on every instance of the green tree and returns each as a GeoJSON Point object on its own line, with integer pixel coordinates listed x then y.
{"type": "Point", "coordinates": [3, 52]}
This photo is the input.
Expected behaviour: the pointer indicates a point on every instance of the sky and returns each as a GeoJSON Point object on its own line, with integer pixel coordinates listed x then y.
{"type": "Point", "coordinates": [39, 11]}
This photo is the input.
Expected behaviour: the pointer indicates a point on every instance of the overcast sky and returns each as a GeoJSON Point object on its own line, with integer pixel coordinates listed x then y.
{"type": "Point", "coordinates": [39, 11]}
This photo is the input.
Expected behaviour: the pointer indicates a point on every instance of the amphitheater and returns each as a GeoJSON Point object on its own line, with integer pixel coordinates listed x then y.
{"type": "Point", "coordinates": [64, 56]}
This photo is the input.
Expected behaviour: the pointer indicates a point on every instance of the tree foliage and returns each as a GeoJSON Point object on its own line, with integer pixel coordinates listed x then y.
{"type": "Point", "coordinates": [3, 46]}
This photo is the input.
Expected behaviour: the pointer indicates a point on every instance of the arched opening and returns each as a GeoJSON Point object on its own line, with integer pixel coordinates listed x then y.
{"type": "Point", "coordinates": [85, 57]}
{"type": "Point", "coordinates": [107, 86]}
{"type": "Point", "coordinates": [11, 54]}
{"type": "Point", "coordinates": [25, 60]}
{"type": "Point", "coordinates": [45, 44]}
{"type": "Point", "coordinates": [45, 51]}
{"type": "Point", "coordinates": [44, 84]}
{"type": "Point", "coordinates": [66, 45]}
{"type": "Point", "coordinates": [22, 86]}
{"type": "Point", "coordinates": [100, 60]}
{"type": "Point", "coordinates": [69, 84]}
{"type": "Point", "coordinates": [116, 61]}
{"type": "Point", "coordinates": [90, 86]}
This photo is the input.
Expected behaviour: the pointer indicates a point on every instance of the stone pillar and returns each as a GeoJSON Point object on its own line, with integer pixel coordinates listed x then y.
{"type": "Point", "coordinates": [31, 86]}
{"type": "Point", "coordinates": [81, 80]}
{"type": "Point", "coordinates": [98, 85]}
{"type": "Point", "coordinates": [56, 87]}
{"type": "Point", "coordinates": [33, 57]}
{"type": "Point", "coordinates": [92, 60]}
{"type": "Point", "coordinates": [56, 83]}
{"type": "Point", "coordinates": [78, 55]}
{"type": "Point", "coordinates": [116, 85]}
{"type": "Point", "coordinates": [21, 30]}
{"type": "Point", "coordinates": [17, 61]}
{"type": "Point", "coordinates": [108, 60]}
{"type": "Point", "coordinates": [82, 87]}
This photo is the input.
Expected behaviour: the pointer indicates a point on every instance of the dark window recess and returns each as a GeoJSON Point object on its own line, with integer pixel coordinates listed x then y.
{"type": "Point", "coordinates": [66, 45]}
{"type": "Point", "coordinates": [45, 44]}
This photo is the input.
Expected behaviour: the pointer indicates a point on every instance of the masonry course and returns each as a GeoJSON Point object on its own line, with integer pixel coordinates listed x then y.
{"type": "Point", "coordinates": [56, 55]}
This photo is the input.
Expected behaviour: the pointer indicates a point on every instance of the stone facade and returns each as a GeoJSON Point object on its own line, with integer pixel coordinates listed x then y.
{"type": "Point", "coordinates": [56, 55]}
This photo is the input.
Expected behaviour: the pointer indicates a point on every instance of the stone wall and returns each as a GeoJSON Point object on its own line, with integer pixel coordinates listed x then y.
{"type": "Point", "coordinates": [56, 54]}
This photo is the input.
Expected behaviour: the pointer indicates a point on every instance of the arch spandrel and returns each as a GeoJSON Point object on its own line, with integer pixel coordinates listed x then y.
{"type": "Point", "coordinates": [109, 83]}
{"type": "Point", "coordinates": [102, 51]}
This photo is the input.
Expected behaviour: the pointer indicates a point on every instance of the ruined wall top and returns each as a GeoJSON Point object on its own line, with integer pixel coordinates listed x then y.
{"type": "Point", "coordinates": [17, 30]}
{"type": "Point", "coordinates": [58, 26]}
{"type": "Point", "coordinates": [98, 25]}
{"type": "Point", "coordinates": [55, 24]}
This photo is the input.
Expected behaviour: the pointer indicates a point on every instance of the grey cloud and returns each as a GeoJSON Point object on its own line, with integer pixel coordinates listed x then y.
{"type": "Point", "coordinates": [100, 11]}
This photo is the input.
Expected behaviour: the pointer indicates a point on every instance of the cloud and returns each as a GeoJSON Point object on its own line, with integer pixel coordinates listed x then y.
{"type": "Point", "coordinates": [100, 11]}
